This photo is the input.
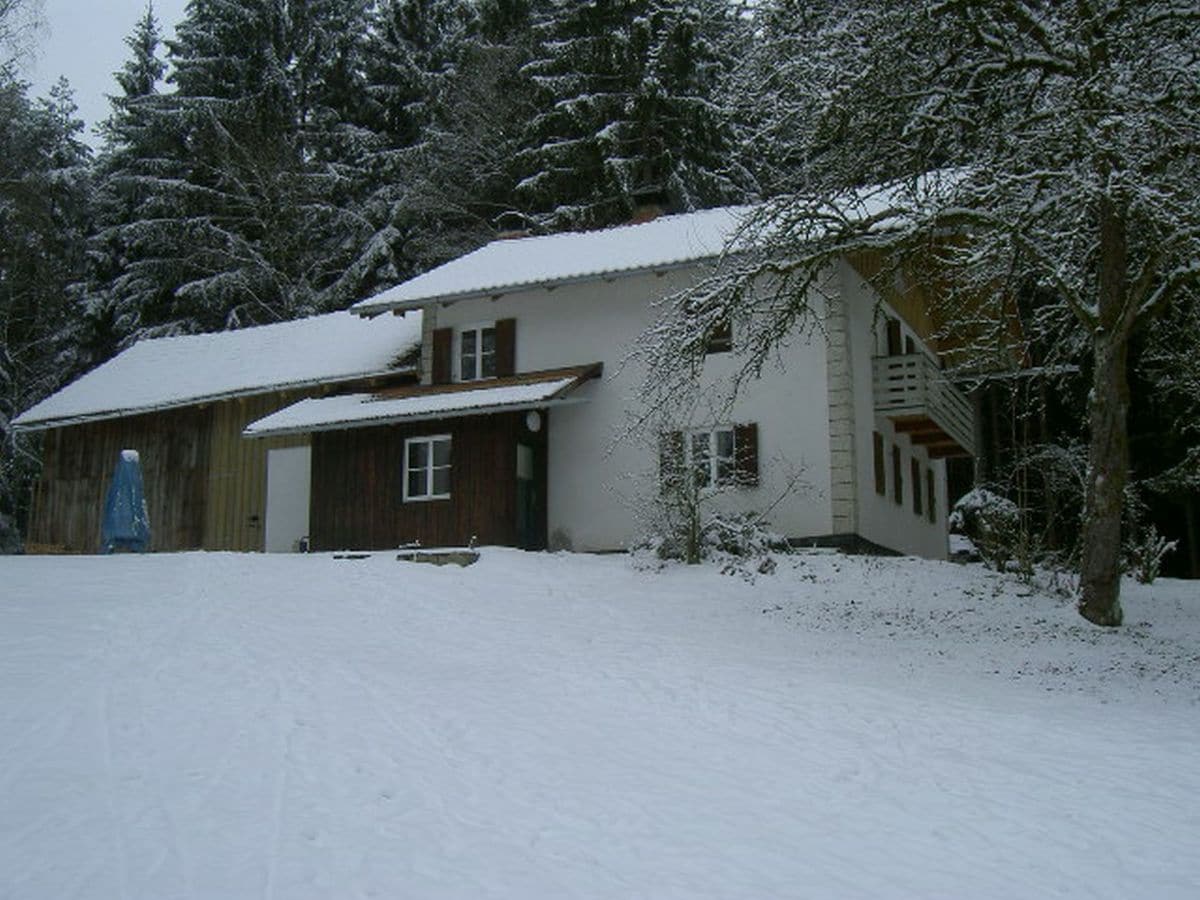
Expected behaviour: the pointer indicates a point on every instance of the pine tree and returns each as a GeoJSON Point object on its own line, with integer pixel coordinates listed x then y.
{"type": "Point", "coordinates": [132, 144]}
{"type": "Point", "coordinates": [244, 216]}
{"type": "Point", "coordinates": [629, 110]}
{"type": "Point", "coordinates": [44, 217]}
{"type": "Point", "coordinates": [412, 54]}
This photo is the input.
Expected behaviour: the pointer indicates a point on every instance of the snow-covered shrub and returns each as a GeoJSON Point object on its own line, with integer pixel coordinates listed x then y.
{"type": "Point", "coordinates": [993, 524]}
{"type": "Point", "coordinates": [1144, 554]}
{"type": "Point", "coordinates": [741, 543]}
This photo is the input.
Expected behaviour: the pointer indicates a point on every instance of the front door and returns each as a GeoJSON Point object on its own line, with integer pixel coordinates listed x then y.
{"type": "Point", "coordinates": [531, 499]}
{"type": "Point", "coordinates": [288, 478]}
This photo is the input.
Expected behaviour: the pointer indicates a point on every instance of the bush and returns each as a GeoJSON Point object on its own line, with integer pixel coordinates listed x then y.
{"type": "Point", "coordinates": [741, 542]}
{"type": "Point", "coordinates": [1144, 555]}
{"type": "Point", "coordinates": [993, 524]}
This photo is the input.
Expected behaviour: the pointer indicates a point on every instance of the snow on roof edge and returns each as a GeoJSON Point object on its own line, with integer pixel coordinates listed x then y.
{"type": "Point", "coordinates": [353, 410]}
{"type": "Point", "coordinates": [45, 424]}
{"type": "Point", "coordinates": [692, 225]}
{"type": "Point", "coordinates": [363, 307]}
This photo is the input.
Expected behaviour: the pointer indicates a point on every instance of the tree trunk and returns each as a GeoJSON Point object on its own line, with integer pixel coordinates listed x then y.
{"type": "Point", "coordinates": [1108, 451]}
{"type": "Point", "coordinates": [1108, 467]}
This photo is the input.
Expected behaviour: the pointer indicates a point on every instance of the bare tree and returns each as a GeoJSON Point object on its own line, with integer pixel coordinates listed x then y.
{"type": "Point", "coordinates": [20, 23]}
{"type": "Point", "coordinates": [1027, 145]}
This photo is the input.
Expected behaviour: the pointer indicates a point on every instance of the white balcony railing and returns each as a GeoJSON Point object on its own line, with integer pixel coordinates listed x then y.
{"type": "Point", "coordinates": [912, 387]}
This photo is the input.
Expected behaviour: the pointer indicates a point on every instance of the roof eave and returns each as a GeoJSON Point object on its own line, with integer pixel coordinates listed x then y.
{"type": "Point", "coordinates": [367, 310]}
{"type": "Point", "coordinates": [107, 415]}
{"type": "Point", "coordinates": [351, 424]}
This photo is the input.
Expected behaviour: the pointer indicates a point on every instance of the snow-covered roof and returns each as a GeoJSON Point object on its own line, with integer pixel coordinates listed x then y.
{"type": "Point", "coordinates": [163, 373]}
{"type": "Point", "coordinates": [419, 403]}
{"type": "Point", "coordinates": [506, 265]}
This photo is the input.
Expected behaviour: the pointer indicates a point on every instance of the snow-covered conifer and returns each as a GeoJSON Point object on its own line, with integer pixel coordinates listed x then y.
{"type": "Point", "coordinates": [628, 110]}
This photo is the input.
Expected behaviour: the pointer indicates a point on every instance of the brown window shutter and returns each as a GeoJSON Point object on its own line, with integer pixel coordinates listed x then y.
{"type": "Point", "coordinates": [506, 347]}
{"type": "Point", "coordinates": [880, 467]}
{"type": "Point", "coordinates": [931, 504]}
{"type": "Point", "coordinates": [443, 340]}
{"type": "Point", "coordinates": [670, 460]}
{"type": "Point", "coordinates": [916, 485]}
{"type": "Point", "coordinates": [897, 477]}
{"type": "Point", "coordinates": [745, 449]}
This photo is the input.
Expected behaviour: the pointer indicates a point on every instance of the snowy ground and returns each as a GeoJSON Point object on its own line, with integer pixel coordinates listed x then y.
{"type": "Point", "coordinates": [224, 726]}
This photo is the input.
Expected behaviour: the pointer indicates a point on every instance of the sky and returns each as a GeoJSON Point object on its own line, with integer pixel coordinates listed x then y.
{"type": "Point", "coordinates": [85, 41]}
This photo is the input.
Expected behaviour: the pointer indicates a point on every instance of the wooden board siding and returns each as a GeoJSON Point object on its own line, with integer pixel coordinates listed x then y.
{"type": "Point", "coordinates": [78, 462]}
{"type": "Point", "coordinates": [953, 328]}
{"type": "Point", "coordinates": [206, 485]}
{"type": "Point", "coordinates": [236, 512]}
{"type": "Point", "coordinates": [357, 492]}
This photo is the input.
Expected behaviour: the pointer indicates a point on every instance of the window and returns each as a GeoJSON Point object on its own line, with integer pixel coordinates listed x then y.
{"type": "Point", "coordinates": [720, 339]}
{"type": "Point", "coordinates": [477, 353]}
{"type": "Point", "coordinates": [897, 477]}
{"type": "Point", "coordinates": [711, 457]}
{"type": "Point", "coordinates": [930, 506]}
{"type": "Point", "coordinates": [893, 337]}
{"type": "Point", "coordinates": [880, 467]}
{"type": "Point", "coordinates": [726, 455]}
{"type": "Point", "coordinates": [427, 468]}
{"type": "Point", "coordinates": [916, 486]}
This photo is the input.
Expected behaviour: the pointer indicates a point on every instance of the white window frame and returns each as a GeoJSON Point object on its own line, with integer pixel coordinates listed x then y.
{"type": "Point", "coordinates": [715, 482]}
{"type": "Point", "coordinates": [476, 328]}
{"type": "Point", "coordinates": [428, 469]}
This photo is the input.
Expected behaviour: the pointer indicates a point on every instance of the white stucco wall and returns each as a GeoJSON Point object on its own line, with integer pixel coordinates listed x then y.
{"type": "Point", "coordinates": [597, 481]}
{"type": "Point", "coordinates": [880, 518]}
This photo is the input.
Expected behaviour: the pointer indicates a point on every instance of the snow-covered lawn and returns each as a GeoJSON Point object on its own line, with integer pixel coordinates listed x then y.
{"type": "Point", "coordinates": [225, 726]}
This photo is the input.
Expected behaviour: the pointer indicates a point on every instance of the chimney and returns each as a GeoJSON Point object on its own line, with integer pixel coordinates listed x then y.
{"type": "Point", "coordinates": [645, 212]}
{"type": "Point", "coordinates": [648, 204]}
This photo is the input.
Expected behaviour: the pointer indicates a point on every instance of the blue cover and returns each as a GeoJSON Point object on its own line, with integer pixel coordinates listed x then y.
{"type": "Point", "coordinates": [126, 524]}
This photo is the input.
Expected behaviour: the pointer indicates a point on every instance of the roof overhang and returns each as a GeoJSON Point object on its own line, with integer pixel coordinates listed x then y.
{"type": "Point", "coordinates": [200, 400]}
{"type": "Point", "coordinates": [534, 390]}
{"type": "Point", "coordinates": [368, 310]}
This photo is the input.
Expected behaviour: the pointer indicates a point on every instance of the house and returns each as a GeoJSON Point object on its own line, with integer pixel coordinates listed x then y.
{"type": "Point", "coordinates": [511, 437]}
{"type": "Point", "coordinates": [182, 403]}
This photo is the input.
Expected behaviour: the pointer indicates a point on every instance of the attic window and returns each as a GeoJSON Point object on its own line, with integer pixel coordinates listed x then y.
{"type": "Point", "coordinates": [477, 353]}
{"type": "Point", "coordinates": [720, 339]}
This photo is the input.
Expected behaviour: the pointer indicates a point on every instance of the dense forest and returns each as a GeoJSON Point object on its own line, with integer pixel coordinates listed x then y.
{"type": "Point", "coordinates": [279, 158]}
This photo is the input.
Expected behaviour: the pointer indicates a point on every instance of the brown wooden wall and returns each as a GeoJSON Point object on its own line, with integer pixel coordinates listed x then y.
{"type": "Point", "coordinates": [78, 463]}
{"type": "Point", "coordinates": [236, 513]}
{"type": "Point", "coordinates": [357, 491]}
{"type": "Point", "coordinates": [206, 485]}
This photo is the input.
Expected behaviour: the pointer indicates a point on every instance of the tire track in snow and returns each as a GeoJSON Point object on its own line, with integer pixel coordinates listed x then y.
{"type": "Point", "coordinates": [278, 789]}
{"type": "Point", "coordinates": [118, 824]}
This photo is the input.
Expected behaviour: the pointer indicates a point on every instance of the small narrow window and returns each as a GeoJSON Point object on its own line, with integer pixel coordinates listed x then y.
{"type": "Point", "coordinates": [916, 486]}
{"type": "Point", "coordinates": [880, 467]}
{"type": "Point", "coordinates": [893, 337]}
{"type": "Point", "coordinates": [910, 346]}
{"type": "Point", "coordinates": [930, 505]}
{"type": "Point", "coordinates": [720, 339]}
{"type": "Point", "coordinates": [702, 459]}
{"type": "Point", "coordinates": [477, 353]}
{"type": "Point", "coordinates": [897, 477]}
{"type": "Point", "coordinates": [427, 468]}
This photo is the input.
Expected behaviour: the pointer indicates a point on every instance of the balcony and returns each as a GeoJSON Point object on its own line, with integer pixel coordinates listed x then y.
{"type": "Point", "coordinates": [912, 391]}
